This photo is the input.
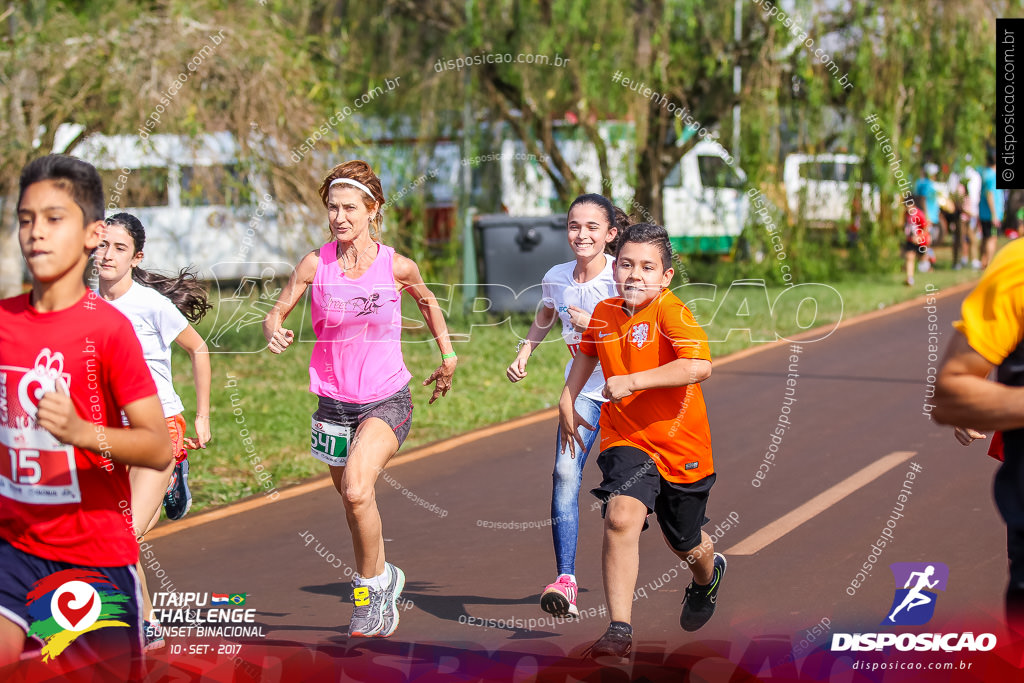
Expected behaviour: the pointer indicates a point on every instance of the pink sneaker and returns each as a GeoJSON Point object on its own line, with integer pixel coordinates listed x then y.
{"type": "Point", "coordinates": [559, 598]}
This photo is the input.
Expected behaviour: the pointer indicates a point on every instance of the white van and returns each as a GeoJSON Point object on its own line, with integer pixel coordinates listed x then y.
{"type": "Point", "coordinates": [704, 205]}
{"type": "Point", "coordinates": [199, 205]}
{"type": "Point", "coordinates": [821, 188]}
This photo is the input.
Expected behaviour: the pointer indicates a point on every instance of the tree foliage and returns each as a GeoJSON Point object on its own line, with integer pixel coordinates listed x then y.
{"type": "Point", "coordinates": [925, 68]}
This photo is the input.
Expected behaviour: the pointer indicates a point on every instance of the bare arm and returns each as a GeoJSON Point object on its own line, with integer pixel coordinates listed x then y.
{"type": "Point", "coordinates": [990, 199]}
{"type": "Point", "coordinates": [582, 368]}
{"type": "Point", "coordinates": [407, 274]}
{"type": "Point", "coordinates": [277, 338]}
{"type": "Point", "coordinates": [569, 420]}
{"type": "Point", "coordinates": [145, 444]}
{"type": "Point", "coordinates": [193, 343]}
{"type": "Point", "coordinates": [538, 330]}
{"type": "Point", "coordinates": [678, 373]}
{"type": "Point", "coordinates": [542, 324]}
{"type": "Point", "coordinates": [964, 395]}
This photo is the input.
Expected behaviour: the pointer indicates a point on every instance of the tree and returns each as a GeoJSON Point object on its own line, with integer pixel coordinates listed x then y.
{"type": "Point", "coordinates": [679, 54]}
{"type": "Point", "coordinates": [926, 70]}
{"type": "Point", "coordinates": [116, 68]}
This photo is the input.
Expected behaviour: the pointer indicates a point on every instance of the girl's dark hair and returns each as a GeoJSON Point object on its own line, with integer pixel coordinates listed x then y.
{"type": "Point", "coordinates": [184, 290]}
{"type": "Point", "coordinates": [603, 203]}
{"type": "Point", "coordinates": [648, 233]}
{"type": "Point", "coordinates": [622, 221]}
{"type": "Point", "coordinates": [598, 200]}
{"type": "Point", "coordinates": [78, 178]}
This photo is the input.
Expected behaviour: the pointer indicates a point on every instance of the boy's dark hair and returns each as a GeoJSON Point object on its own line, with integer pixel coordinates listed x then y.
{"type": "Point", "coordinates": [184, 290]}
{"type": "Point", "coordinates": [648, 233]}
{"type": "Point", "coordinates": [78, 178]}
{"type": "Point", "coordinates": [990, 158]}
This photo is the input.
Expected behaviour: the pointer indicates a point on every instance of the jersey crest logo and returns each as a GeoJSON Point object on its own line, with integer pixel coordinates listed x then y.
{"type": "Point", "coordinates": [41, 379]}
{"type": "Point", "coordinates": [639, 334]}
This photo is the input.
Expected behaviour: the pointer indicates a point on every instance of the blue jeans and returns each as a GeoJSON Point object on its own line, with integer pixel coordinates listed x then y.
{"type": "Point", "coordinates": [568, 475]}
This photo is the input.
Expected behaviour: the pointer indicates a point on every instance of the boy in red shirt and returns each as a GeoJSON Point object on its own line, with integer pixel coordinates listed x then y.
{"type": "Point", "coordinates": [655, 439]}
{"type": "Point", "coordinates": [69, 365]}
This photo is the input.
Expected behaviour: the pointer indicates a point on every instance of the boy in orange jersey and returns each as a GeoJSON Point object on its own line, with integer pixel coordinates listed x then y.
{"type": "Point", "coordinates": [655, 439]}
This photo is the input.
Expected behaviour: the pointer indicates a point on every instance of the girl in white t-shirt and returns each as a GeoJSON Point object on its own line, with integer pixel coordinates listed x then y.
{"type": "Point", "coordinates": [570, 292]}
{"type": "Point", "coordinates": [160, 309]}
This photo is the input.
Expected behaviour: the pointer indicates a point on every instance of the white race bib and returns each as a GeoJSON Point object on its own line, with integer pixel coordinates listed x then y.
{"type": "Point", "coordinates": [34, 466]}
{"type": "Point", "coordinates": [329, 443]}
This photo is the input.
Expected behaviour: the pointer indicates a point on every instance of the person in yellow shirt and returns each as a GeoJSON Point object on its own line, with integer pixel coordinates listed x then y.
{"type": "Point", "coordinates": [990, 336]}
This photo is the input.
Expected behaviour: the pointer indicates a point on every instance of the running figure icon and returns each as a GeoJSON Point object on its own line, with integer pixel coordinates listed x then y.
{"type": "Point", "coordinates": [916, 598]}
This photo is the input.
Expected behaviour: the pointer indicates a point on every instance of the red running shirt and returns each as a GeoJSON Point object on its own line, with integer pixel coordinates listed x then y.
{"type": "Point", "coordinates": [56, 501]}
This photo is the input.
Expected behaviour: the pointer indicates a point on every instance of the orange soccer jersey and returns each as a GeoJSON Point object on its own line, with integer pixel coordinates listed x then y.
{"type": "Point", "coordinates": [670, 424]}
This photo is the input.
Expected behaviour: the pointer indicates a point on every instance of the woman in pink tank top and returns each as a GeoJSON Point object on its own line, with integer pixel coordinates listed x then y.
{"type": "Point", "coordinates": [357, 371]}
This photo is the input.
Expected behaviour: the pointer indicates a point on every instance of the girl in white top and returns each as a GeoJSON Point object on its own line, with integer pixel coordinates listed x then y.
{"type": "Point", "coordinates": [160, 309]}
{"type": "Point", "coordinates": [570, 292]}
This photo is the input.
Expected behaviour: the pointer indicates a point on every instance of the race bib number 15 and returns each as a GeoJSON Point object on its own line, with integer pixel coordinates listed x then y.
{"type": "Point", "coordinates": [34, 466]}
{"type": "Point", "coordinates": [42, 477]}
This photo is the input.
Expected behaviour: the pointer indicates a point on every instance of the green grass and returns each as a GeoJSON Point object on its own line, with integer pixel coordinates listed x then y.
{"type": "Point", "coordinates": [838, 299]}
{"type": "Point", "coordinates": [271, 398]}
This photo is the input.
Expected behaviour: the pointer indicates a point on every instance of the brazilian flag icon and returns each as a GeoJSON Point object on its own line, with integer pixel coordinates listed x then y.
{"type": "Point", "coordinates": [237, 598]}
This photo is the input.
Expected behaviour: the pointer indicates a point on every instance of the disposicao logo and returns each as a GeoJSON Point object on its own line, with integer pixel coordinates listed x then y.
{"type": "Point", "coordinates": [913, 604]}
{"type": "Point", "coordinates": [69, 603]}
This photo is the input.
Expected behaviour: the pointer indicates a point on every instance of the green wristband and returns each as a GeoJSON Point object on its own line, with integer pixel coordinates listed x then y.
{"type": "Point", "coordinates": [446, 356]}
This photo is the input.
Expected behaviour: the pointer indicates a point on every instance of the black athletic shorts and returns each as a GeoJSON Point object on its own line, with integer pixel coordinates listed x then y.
{"type": "Point", "coordinates": [395, 410]}
{"type": "Point", "coordinates": [986, 229]}
{"type": "Point", "coordinates": [111, 652]}
{"type": "Point", "coordinates": [910, 246]}
{"type": "Point", "coordinates": [680, 508]}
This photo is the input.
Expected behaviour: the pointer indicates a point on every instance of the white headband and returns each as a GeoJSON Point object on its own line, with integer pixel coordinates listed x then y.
{"type": "Point", "coordinates": [354, 183]}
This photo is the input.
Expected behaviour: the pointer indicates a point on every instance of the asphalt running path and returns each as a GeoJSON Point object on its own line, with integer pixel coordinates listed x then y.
{"type": "Point", "coordinates": [859, 397]}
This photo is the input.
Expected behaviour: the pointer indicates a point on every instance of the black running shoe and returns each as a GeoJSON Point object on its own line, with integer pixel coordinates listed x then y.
{"type": "Point", "coordinates": [178, 498]}
{"type": "Point", "coordinates": [699, 603]}
{"type": "Point", "coordinates": [617, 641]}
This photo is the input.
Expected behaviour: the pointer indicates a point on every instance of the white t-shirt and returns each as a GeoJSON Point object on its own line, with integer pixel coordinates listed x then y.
{"type": "Point", "coordinates": [559, 291]}
{"type": "Point", "coordinates": [157, 323]}
{"type": "Point", "coordinates": [973, 190]}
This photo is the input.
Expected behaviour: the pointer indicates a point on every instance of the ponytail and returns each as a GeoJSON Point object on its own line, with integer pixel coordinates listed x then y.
{"type": "Point", "coordinates": [622, 221]}
{"type": "Point", "coordinates": [185, 290]}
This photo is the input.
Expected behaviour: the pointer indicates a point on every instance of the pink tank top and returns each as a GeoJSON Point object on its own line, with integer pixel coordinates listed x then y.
{"type": "Point", "coordinates": [358, 325]}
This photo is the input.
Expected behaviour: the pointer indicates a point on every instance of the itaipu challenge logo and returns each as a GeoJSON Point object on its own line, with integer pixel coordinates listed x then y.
{"type": "Point", "coordinates": [69, 603]}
